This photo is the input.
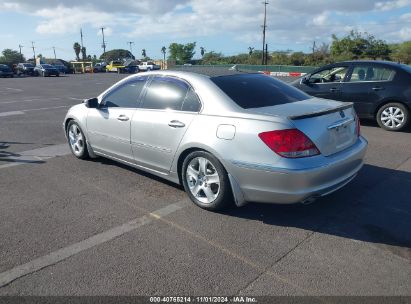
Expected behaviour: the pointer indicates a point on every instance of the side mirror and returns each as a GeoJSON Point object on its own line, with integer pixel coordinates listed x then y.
{"type": "Point", "coordinates": [305, 79]}
{"type": "Point", "coordinates": [91, 103]}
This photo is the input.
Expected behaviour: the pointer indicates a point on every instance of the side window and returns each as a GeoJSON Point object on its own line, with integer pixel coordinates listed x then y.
{"type": "Point", "coordinates": [125, 96]}
{"type": "Point", "coordinates": [165, 93]}
{"type": "Point", "coordinates": [191, 102]}
{"type": "Point", "coordinates": [369, 73]}
{"type": "Point", "coordinates": [335, 74]}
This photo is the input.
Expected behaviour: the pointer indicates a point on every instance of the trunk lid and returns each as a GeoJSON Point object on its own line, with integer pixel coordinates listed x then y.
{"type": "Point", "coordinates": [331, 125]}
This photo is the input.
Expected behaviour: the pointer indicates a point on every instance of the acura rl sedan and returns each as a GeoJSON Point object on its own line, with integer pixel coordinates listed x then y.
{"type": "Point", "coordinates": [380, 90]}
{"type": "Point", "coordinates": [230, 138]}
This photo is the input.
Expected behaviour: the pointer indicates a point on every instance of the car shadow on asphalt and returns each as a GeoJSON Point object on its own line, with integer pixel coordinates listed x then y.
{"type": "Point", "coordinates": [375, 207]}
{"type": "Point", "coordinates": [13, 157]}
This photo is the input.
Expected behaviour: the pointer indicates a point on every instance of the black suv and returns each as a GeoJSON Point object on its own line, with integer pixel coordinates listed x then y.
{"type": "Point", "coordinates": [25, 69]}
{"type": "Point", "coordinates": [380, 90]}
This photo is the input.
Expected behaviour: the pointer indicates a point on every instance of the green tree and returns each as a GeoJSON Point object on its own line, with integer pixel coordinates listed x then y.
{"type": "Point", "coordinates": [181, 53]}
{"type": "Point", "coordinates": [202, 51]}
{"type": "Point", "coordinates": [117, 54]}
{"type": "Point", "coordinates": [10, 56]}
{"type": "Point", "coordinates": [357, 45]}
{"type": "Point", "coordinates": [144, 53]}
{"type": "Point", "coordinates": [402, 52]}
{"type": "Point", "coordinates": [84, 53]}
{"type": "Point", "coordinates": [213, 58]}
{"type": "Point", "coordinates": [77, 50]}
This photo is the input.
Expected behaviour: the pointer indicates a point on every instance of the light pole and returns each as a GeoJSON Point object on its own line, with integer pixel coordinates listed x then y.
{"type": "Point", "coordinates": [263, 61]}
{"type": "Point", "coordinates": [54, 50]}
{"type": "Point", "coordinates": [21, 57]}
{"type": "Point", "coordinates": [34, 53]}
{"type": "Point", "coordinates": [131, 48]}
{"type": "Point", "coordinates": [104, 43]}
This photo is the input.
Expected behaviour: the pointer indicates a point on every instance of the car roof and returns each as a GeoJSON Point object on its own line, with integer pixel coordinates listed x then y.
{"type": "Point", "coordinates": [370, 62]}
{"type": "Point", "coordinates": [207, 71]}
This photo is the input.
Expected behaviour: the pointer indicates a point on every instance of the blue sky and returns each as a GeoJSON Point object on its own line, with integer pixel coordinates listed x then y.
{"type": "Point", "coordinates": [228, 26]}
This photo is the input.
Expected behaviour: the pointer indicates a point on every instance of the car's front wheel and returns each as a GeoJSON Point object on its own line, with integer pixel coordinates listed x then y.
{"type": "Point", "coordinates": [77, 140]}
{"type": "Point", "coordinates": [393, 117]}
{"type": "Point", "coordinates": [206, 181]}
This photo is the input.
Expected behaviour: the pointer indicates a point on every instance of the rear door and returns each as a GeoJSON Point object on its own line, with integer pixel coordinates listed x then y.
{"type": "Point", "coordinates": [327, 82]}
{"type": "Point", "coordinates": [366, 86]}
{"type": "Point", "coordinates": [157, 127]}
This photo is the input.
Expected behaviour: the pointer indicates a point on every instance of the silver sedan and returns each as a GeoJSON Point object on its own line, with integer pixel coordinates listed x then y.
{"type": "Point", "coordinates": [228, 139]}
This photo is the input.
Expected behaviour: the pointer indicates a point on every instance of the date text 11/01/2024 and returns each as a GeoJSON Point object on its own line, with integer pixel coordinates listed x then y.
{"type": "Point", "coordinates": [235, 299]}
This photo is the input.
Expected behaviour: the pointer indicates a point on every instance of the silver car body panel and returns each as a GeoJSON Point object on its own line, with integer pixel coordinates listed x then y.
{"type": "Point", "coordinates": [150, 141]}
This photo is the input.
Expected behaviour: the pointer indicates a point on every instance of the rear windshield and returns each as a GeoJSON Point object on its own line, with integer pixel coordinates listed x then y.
{"type": "Point", "coordinates": [257, 90]}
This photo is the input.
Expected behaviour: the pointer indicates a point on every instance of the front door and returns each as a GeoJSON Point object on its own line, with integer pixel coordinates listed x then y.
{"type": "Point", "coordinates": [109, 125]}
{"type": "Point", "coordinates": [326, 83]}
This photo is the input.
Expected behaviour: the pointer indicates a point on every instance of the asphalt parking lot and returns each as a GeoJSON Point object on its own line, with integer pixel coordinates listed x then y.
{"type": "Point", "coordinates": [71, 227]}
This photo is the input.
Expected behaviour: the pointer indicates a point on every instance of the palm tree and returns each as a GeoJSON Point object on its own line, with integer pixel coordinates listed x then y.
{"type": "Point", "coordinates": [164, 50]}
{"type": "Point", "coordinates": [83, 53]}
{"type": "Point", "coordinates": [250, 50]}
{"type": "Point", "coordinates": [77, 50]}
{"type": "Point", "coordinates": [202, 51]}
{"type": "Point", "coordinates": [143, 53]}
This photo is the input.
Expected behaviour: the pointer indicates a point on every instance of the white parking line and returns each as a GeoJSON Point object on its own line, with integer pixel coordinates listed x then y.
{"type": "Point", "coordinates": [11, 113]}
{"type": "Point", "coordinates": [59, 255]}
{"type": "Point", "coordinates": [35, 156]}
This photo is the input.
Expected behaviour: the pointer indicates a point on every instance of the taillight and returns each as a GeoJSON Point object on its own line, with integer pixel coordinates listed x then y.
{"type": "Point", "coordinates": [290, 143]}
{"type": "Point", "coordinates": [358, 126]}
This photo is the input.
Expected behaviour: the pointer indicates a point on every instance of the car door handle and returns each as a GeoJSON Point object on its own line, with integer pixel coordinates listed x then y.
{"type": "Point", "coordinates": [377, 88]}
{"type": "Point", "coordinates": [123, 118]}
{"type": "Point", "coordinates": [176, 124]}
{"type": "Point", "coordinates": [334, 89]}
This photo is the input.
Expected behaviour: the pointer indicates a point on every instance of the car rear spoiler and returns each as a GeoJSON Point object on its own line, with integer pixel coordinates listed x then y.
{"type": "Point", "coordinates": [346, 106]}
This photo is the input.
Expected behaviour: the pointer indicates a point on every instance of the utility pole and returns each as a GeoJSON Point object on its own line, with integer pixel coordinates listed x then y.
{"type": "Point", "coordinates": [131, 48]}
{"type": "Point", "coordinates": [314, 47]}
{"type": "Point", "coordinates": [34, 53]}
{"type": "Point", "coordinates": [20, 46]}
{"type": "Point", "coordinates": [54, 50]}
{"type": "Point", "coordinates": [81, 37]}
{"type": "Point", "coordinates": [104, 43]}
{"type": "Point", "coordinates": [263, 61]}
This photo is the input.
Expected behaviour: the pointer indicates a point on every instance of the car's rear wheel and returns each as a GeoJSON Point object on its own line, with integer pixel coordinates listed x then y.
{"type": "Point", "coordinates": [206, 181]}
{"type": "Point", "coordinates": [393, 117]}
{"type": "Point", "coordinates": [77, 140]}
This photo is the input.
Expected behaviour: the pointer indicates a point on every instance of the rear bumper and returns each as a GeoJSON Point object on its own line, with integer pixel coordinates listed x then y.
{"type": "Point", "coordinates": [269, 184]}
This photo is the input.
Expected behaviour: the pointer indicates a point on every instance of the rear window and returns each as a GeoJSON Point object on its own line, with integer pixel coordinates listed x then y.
{"type": "Point", "coordinates": [257, 90]}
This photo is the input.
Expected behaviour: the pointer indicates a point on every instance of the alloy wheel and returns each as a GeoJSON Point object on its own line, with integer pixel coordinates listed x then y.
{"type": "Point", "coordinates": [203, 180]}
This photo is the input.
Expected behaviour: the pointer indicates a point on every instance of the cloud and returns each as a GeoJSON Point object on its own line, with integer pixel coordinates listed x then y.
{"type": "Point", "coordinates": [390, 5]}
{"type": "Point", "coordinates": [289, 22]}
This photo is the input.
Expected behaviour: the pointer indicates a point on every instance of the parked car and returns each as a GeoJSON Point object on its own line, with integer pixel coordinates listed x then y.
{"type": "Point", "coordinates": [115, 66]}
{"type": "Point", "coordinates": [148, 66]}
{"type": "Point", "coordinates": [229, 138]}
{"type": "Point", "coordinates": [25, 69]}
{"type": "Point", "coordinates": [46, 70]}
{"type": "Point", "coordinates": [61, 68]}
{"type": "Point", "coordinates": [380, 90]}
{"type": "Point", "coordinates": [5, 71]}
{"type": "Point", "coordinates": [99, 67]}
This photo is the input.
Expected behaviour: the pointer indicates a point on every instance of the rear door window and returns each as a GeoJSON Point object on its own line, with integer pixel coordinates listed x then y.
{"type": "Point", "coordinates": [257, 90]}
{"type": "Point", "coordinates": [371, 73]}
{"type": "Point", "coordinates": [165, 93]}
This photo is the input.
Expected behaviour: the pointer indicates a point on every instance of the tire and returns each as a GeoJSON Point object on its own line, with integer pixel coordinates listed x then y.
{"type": "Point", "coordinates": [77, 140]}
{"type": "Point", "coordinates": [43, 74]}
{"type": "Point", "coordinates": [393, 117]}
{"type": "Point", "coordinates": [197, 183]}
